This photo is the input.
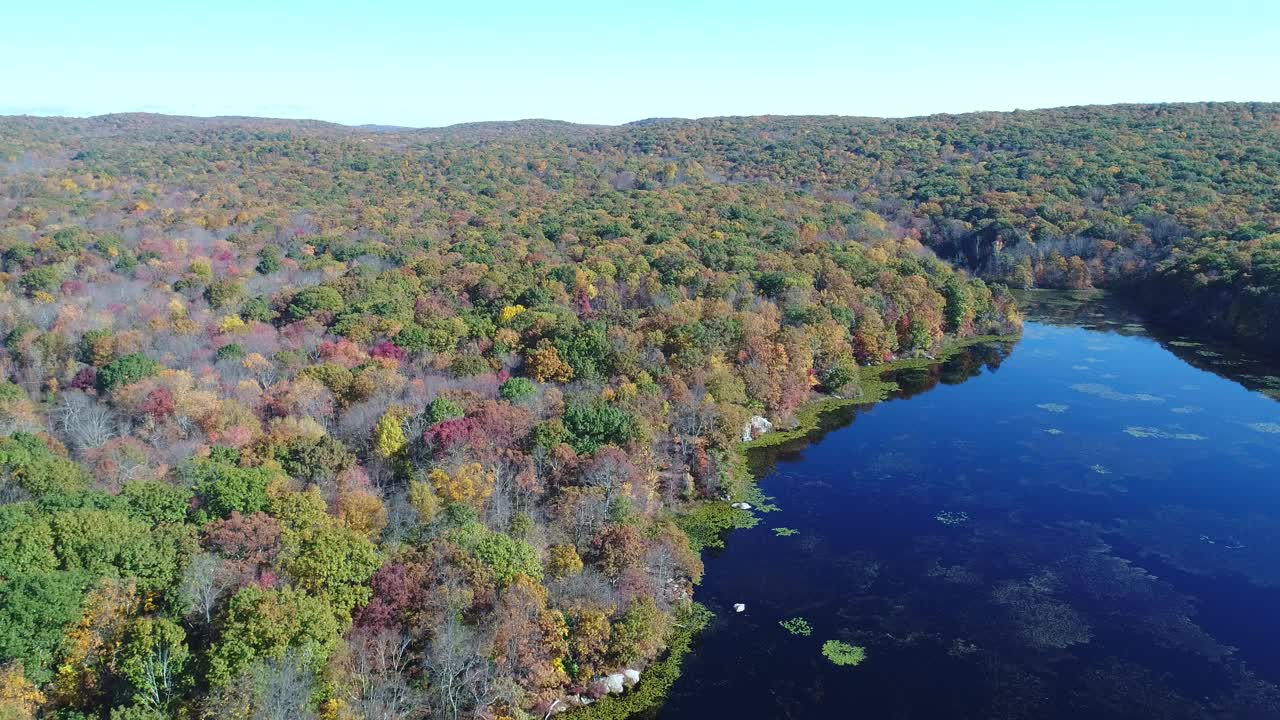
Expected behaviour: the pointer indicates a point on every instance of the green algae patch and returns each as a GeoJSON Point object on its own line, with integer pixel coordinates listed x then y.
{"type": "Point", "coordinates": [797, 626]}
{"type": "Point", "coordinates": [706, 523]}
{"type": "Point", "coordinates": [842, 653]}
{"type": "Point", "coordinates": [1139, 431]}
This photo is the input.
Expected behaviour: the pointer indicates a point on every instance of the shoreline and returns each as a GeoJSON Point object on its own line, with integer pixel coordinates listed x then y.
{"type": "Point", "coordinates": [707, 522]}
{"type": "Point", "coordinates": [872, 390]}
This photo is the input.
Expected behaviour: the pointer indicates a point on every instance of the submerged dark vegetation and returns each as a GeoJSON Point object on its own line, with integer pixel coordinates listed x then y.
{"type": "Point", "coordinates": [1009, 541]}
{"type": "Point", "coordinates": [299, 420]}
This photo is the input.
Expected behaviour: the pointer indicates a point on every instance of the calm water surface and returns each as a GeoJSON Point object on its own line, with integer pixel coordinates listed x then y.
{"type": "Point", "coordinates": [1083, 525]}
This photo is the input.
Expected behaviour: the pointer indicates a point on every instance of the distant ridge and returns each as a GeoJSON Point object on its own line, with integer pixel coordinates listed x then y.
{"type": "Point", "coordinates": [544, 130]}
{"type": "Point", "coordinates": [524, 127]}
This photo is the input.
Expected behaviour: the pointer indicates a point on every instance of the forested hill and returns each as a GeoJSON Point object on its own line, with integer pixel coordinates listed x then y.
{"type": "Point", "coordinates": [1072, 197]}
{"type": "Point", "coordinates": [302, 420]}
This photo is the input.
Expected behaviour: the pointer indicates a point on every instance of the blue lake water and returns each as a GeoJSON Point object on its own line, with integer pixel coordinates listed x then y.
{"type": "Point", "coordinates": [1084, 524]}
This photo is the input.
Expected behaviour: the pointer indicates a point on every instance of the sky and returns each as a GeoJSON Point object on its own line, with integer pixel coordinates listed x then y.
{"type": "Point", "coordinates": [430, 63]}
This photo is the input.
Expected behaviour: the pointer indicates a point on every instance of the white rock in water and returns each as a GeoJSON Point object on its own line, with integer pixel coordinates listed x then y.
{"type": "Point", "coordinates": [615, 683]}
{"type": "Point", "coordinates": [632, 676]}
{"type": "Point", "coordinates": [739, 607]}
{"type": "Point", "coordinates": [741, 506]}
{"type": "Point", "coordinates": [756, 427]}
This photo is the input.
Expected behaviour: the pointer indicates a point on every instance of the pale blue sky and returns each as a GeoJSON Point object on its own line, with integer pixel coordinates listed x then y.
{"type": "Point", "coordinates": [432, 63]}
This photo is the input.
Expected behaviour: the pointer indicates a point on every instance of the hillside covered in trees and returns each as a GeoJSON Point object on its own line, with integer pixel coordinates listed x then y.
{"type": "Point", "coordinates": [301, 420]}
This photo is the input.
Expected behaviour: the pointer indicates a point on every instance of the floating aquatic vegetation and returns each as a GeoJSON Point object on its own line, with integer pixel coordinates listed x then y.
{"type": "Point", "coordinates": [761, 502]}
{"type": "Point", "coordinates": [810, 543]}
{"type": "Point", "coordinates": [1139, 431]}
{"type": "Point", "coordinates": [1093, 360]}
{"type": "Point", "coordinates": [857, 571]}
{"type": "Point", "coordinates": [950, 517]}
{"type": "Point", "coordinates": [1265, 427]}
{"type": "Point", "coordinates": [1080, 367]}
{"type": "Point", "coordinates": [1208, 543]}
{"type": "Point", "coordinates": [1208, 353]}
{"type": "Point", "coordinates": [1101, 470]}
{"type": "Point", "coordinates": [1119, 688]}
{"type": "Point", "coordinates": [1229, 543]}
{"type": "Point", "coordinates": [1108, 376]}
{"type": "Point", "coordinates": [961, 648]}
{"type": "Point", "coordinates": [1053, 407]}
{"type": "Point", "coordinates": [797, 626]}
{"type": "Point", "coordinates": [958, 574]}
{"type": "Point", "coordinates": [1053, 431]}
{"type": "Point", "coordinates": [1184, 343]}
{"type": "Point", "coordinates": [842, 653]}
{"type": "Point", "coordinates": [785, 531]}
{"type": "Point", "coordinates": [1126, 594]}
{"type": "Point", "coordinates": [892, 463]}
{"type": "Point", "coordinates": [1186, 409]}
{"type": "Point", "coordinates": [1043, 622]}
{"type": "Point", "coordinates": [1106, 392]}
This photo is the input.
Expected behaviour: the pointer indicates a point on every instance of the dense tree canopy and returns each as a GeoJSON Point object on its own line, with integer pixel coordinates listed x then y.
{"type": "Point", "coordinates": [296, 418]}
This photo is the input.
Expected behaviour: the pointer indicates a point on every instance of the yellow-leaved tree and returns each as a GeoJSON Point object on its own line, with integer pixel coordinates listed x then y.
{"type": "Point", "coordinates": [471, 484]}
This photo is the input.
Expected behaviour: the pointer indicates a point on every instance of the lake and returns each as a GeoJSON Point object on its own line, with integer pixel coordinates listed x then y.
{"type": "Point", "coordinates": [1082, 524]}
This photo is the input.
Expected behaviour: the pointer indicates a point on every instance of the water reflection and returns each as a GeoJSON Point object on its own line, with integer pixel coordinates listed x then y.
{"type": "Point", "coordinates": [1096, 311]}
{"type": "Point", "coordinates": [1023, 532]}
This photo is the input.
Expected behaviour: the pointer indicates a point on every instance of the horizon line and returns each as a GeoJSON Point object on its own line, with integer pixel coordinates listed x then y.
{"type": "Point", "coordinates": [34, 113]}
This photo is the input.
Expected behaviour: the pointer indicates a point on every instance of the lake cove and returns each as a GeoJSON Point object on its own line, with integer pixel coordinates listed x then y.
{"type": "Point", "coordinates": [1081, 524]}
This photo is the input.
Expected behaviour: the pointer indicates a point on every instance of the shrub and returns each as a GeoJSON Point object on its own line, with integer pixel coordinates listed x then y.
{"type": "Point", "coordinates": [315, 300]}
{"type": "Point", "coordinates": [839, 375]}
{"type": "Point", "coordinates": [126, 370]}
{"type": "Point", "coordinates": [502, 554]}
{"type": "Point", "coordinates": [40, 279]}
{"type": "Point", "coordinates": [230, 351]}
{"type": "Point", "coordinates": [563, 561]}
{"type": "Point", "coordinates": [517, 390]}
{"type": "Point", "coordinates": [597, 423]}
{"type": "Point", "coordinates": [442, 408]}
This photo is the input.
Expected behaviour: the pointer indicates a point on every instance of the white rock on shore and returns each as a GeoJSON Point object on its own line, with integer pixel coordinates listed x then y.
{"type": "Point", "coordinates": [755, 427]}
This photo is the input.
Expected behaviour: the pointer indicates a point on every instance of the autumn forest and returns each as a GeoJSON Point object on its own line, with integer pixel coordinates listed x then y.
{"type": "Point", "coordinates": [300, 420]}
